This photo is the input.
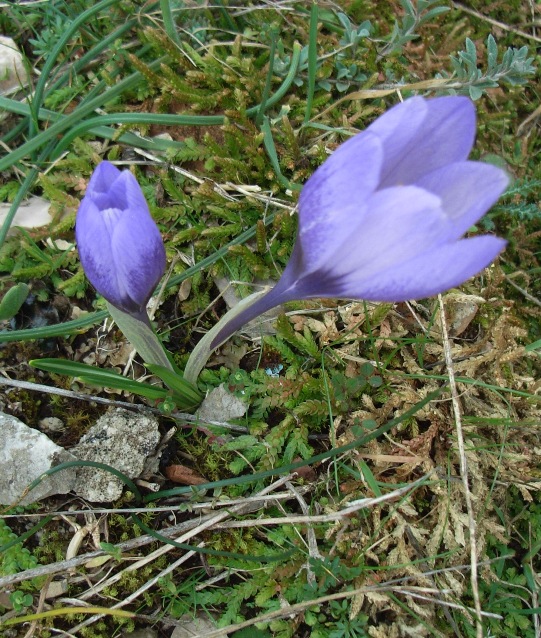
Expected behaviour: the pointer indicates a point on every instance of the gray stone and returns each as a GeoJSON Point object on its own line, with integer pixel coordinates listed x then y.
{"type": "Point", "coordinates": [221, 405]}
{"type": "Point", "coordinates": [193, 627]}
{"type": "Point", "coordinates": [25, 454]}
{"type": "Point", "coordinates": [121, 439]}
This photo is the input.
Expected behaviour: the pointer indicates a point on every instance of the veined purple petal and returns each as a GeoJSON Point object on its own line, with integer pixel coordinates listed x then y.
{"type": "Point", "coordinates": [92, 231]}
{"type": "Point", "coordinates": [421, 135]}
{"type": "Point", "coordinates": [400, 222]}
{"type": "Point", "coordinates": [467, 190]}
{"type": "Point", "coordinates": [333, 198]}
{"type": "Point", "coordinates": [429, 273]}
{"type": "Point", "coordinates": [126, 189]}
{"type": "Point", "coordinates": [99, 186]}
{"type": "Point", "coordinates": [138, 254]}
{"type": "Point", "coordinates": [103, 176]}
{"type": "Point", "coordinates": [120, 246]}
{"type": "Point", "coordinates": [382, 218]}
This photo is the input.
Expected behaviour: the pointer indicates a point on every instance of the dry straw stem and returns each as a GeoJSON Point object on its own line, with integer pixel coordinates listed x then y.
{"type": "Point", "coordinates": [370, 94]}
{"type": "Point", "coordinates": [184, 538]}
{"type": "Point", "coordinates": [246, 190]}
{"type": "Point", "coordinates": [292, 610]}
{"type": "Point", "coordinates": [353, 507]}
{"type": "Point", "coordinates": [133, 596]}
{"type": "Point", "coordinates": [215, 522]}
{"type": "Point", "coordinates": [246, 505]}
{"type": "Point", "coordinates": [463, 469]}
{"type": "Point", "coordinates": [206, 505]}
{"type": "Point", "coordinates": [496, 23]}
{"type": "Point", "coordinates": [178, 416]}
{"type": "Point", "coordinates": [526, 294]}
{"type": "Point", "coordinates": [313, 549]}
{"type": "Point", "coordinates": [40, 606]}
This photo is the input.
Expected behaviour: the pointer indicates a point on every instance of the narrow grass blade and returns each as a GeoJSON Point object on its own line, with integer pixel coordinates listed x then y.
{"type": "Point", "coordinates": [181, 388]}
{"type": "Point", "coordinates": [98, 376]}
{"type": "Point", "coordinates": [312, 61]}
{"type": "Point", "coordinates": [58, 330]}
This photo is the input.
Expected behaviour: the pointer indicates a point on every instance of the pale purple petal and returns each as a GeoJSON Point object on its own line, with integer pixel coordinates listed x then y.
{"type": "Point", "coordinates": [467, 191]}
{"type": "Point", "coordinates": [120, 246]}
{"type": "Point", "coordinates": [101, 181]}
{"type": "Point", "coordinates": [427, 274]}
{"type": "Point", "coordinates": [422, 135]}
{"type": "Point", "coordinates": [382, 218]}
{"type": "Point", "coordinates": [399, 223]}
{"type": "Point", "coordinates": [333, 198]}
{"type": "Point", "coordinates": [138, 254]}
{"type": "Point", "coordinates": [126, 190]}
{"type": "Point", "coordinates": [430, 273]}
{"type": "Point", "coordinates": [94, 244]}
{"type": "Point", "coordinates": [103, 176]}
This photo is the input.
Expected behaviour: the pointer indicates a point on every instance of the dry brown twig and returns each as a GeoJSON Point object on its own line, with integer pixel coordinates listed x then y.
{"type": "Point", "coordinates": [496, 23]}
{"type": "Point", "coordinates": [246, 506]}
{"type": "Point", "coordinates": [184, 538]}
{"type": "Point", "coordinates": [463, 469]}
{"type": "Point", "coordinates": [292, 610]}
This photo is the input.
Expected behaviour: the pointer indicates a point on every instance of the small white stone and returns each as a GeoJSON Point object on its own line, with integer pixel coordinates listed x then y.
{"type": "Point", "coordinates": [25, 454]}
{"type": "Point", "coordinates": [221, 405]}
{"type": "Point", "coordinates": [52, 424]}
{"type": "Point", "coordinates": [12, 71]}
{"type": "Point", "coordinates": [32, 213]}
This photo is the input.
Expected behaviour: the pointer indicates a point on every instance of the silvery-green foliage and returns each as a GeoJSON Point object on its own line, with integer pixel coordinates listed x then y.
{"type": "Point", "coordinates": [514, 67]}
{"type": "Point", "coordinates": [414, 17]}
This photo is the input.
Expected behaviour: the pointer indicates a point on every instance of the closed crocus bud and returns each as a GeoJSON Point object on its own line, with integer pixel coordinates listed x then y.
{"type": "Point", "coordinates": [119, 244]}
{"type": "Point", "coordinates": [383, 218]}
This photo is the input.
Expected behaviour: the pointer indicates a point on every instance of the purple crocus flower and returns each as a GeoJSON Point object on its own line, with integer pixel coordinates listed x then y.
{"type": "Point", "coordinates": [383, 218]}
{"type": "Point", "coordinates": [120, 246]}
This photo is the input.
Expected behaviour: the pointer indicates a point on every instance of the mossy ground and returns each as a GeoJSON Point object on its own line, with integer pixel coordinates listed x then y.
{"type": "Point", "coordinates": [333, 374]}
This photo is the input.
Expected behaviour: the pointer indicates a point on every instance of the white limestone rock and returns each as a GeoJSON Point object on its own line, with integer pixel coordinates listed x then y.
{"type": "Point", "coordinates": [25, 454]}
{"type": "Point", "coordinates": [12, 70]}
{"type": "Point", "coordinates": [221, 405]}
{"type": "Point", "coordinates": [32, 213]}
{"type": "Point", "coordinates": [121, 439]}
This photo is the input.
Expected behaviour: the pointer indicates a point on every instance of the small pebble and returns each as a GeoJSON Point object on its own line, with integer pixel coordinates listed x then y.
{"type": "Point", "coordinates": [52, 424]}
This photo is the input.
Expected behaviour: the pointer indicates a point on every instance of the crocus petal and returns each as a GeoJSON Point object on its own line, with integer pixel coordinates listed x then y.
{"type": "Point", "coordinates": [120, 246]}
{"type": "Point", "coordinates": [103, 176]}
{"type": "Point", "coordinates": [430, 273]}
{"type": "Point", "coordinates": [382, 218]}
{"type": "Point", "coordinates": [333, 197]}
{"type": "Point", "coordinates": [467, 190]}
{"type": "Point", "coordinates": [99, 186]}
{"type": "Point", "coordinates": [421, 135]}
{"type": "Point", "coordinates": [94, 245]}
{"type": "Point", "coordinates": [126, 191]}
{"type": "Point", "coordinates": [400, 222]}
{"type": "Point", "coordinates": [138, 255]}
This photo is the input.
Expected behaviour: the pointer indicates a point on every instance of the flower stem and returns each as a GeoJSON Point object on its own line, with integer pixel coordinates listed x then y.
{"type": "Point", "coordinates": [247, 309]}
{"type": "Point", "coordinates": [140, 334]}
